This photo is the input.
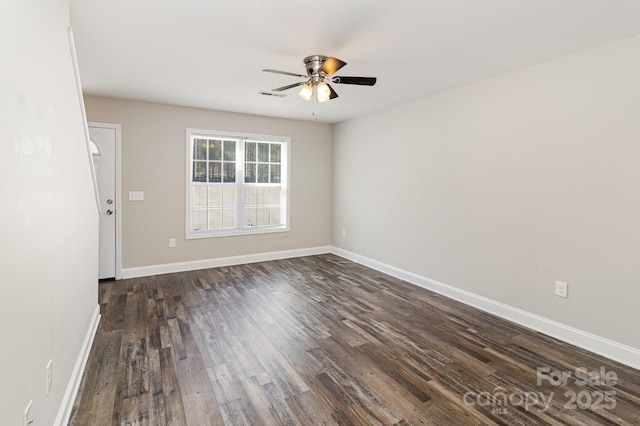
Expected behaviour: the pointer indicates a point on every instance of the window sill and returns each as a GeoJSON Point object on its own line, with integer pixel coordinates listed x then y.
{"type": "Point", "coordinates": [194, 235]}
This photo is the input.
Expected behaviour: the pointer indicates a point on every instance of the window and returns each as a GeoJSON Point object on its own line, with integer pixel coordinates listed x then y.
{"type": "Point", "coordinates": [236, 184]}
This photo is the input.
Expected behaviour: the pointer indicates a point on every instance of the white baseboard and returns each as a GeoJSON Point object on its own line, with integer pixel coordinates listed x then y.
{"type": "Point", "coordinates": [608, 348]}
{"type": "Point", "coordinates": [192, 265]}
{"type": "Point", "coordinates": [64, 412]}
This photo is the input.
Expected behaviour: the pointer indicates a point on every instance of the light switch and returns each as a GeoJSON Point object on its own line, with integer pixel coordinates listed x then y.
{"type": "Point", "coordinates": [136, 195]}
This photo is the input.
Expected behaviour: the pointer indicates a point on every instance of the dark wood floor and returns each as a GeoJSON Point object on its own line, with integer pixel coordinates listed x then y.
{"type": "Point", "coordinates": [321, 340]}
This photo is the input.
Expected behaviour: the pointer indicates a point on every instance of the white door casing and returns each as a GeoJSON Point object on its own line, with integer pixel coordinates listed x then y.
{"type": "Point", "coordinates": [107, 166]}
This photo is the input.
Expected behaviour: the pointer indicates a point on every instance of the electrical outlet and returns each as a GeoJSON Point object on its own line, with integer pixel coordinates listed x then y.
{"type": "Point", "coordinates": [172, 242]}
{"type": "Point", "coordinates": [49, 376]}
{"type": "Point", "coordinates": [561, 289]}
{"type": "Point", "coordinates": [344, 233]}
{"type": "Point", "coordinates": [26, 416]}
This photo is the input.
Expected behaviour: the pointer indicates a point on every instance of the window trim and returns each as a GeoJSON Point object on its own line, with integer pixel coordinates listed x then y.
{"type": "Point", "coordinates": [243, 137]}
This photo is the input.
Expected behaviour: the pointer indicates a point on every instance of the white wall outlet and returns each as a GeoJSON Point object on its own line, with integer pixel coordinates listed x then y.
{"type": "Point", "coordinates": [172, 242]}
{"type": "Point", "coordinates": [343, 233]}
{"type": "Point", "coordinates": [136, 195]}
{"type": "Point", "coordinates": [26, 416]}
{"type": "Point", "coordinates": [561, 289]}
{"type": "Point", "coordinates": [49, 376]}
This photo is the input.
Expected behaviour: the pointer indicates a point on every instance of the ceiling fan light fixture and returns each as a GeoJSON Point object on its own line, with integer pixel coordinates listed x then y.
{"type": "Point", "coordinates": [323, 92]}
{"type": "Point", "coordinates": [306, 92]}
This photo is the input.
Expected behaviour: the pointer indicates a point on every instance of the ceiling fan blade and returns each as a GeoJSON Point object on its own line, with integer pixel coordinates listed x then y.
{"type": "Point", "coordinates": [332, 65]}
{"type": "Point", "coordinates": [361, 81]}
{"type": "Point", "coordinates": [286, 73]}
{"type": "Point", "coordinates": [332, 94]}
{"type": "Point", "coordinates": [291, 86]}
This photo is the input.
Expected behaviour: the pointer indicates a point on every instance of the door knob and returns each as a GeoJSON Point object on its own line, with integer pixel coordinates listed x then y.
{"type": "Point", "coordinates": [109, 212]}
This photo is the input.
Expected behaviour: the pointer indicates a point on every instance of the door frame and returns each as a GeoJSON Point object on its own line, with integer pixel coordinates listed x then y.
{"type": "Point", "coordinates": [117, 128]}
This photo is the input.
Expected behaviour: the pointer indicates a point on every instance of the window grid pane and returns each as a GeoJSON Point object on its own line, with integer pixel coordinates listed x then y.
{"type": "Point", "coordinates": [275, 153]}
{"type": "Point", "coordinates": [250, 151]}
{"type": "Point", "coordinates": [215, 196]}
{"type": "Point", "coordinates": [199, 171]}
{"type": "Point", "coordinates": [200, 149]}
{"type": "Point", "coordinates": [229, 172]}
{"type": "Point", "coordinates": [200, 219]}
{"type": "Point", "coordinates": [263, 152]}
{"type": "Point", "coordinates": [215, 149]}
{"type": "Point", "coordinates": [229, 150]}
{"type": "Point", "coordinates": [215, 171]}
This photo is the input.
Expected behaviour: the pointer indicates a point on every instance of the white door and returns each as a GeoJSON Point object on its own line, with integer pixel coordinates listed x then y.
{"type": "Point", "coordinates": [105, 165]}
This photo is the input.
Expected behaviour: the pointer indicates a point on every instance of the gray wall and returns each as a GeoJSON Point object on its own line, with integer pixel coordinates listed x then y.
{"type": "Point", "coordinates": [504, 186]}
{"type": "Point", "coordinates": [153, 161]}
{"type": "Point", "coordinates": [49, 226]}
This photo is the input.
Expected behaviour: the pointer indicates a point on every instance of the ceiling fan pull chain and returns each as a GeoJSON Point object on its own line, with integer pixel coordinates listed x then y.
{"type": "Point", "coordinates": [313, 107]}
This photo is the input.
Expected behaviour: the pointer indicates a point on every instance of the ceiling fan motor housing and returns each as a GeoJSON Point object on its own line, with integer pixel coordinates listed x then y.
{"type": "Point", "coordinates": [314, 64]}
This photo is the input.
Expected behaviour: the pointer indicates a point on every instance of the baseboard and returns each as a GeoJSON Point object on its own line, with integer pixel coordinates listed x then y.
{"type": "Point", "coordinates": [608, 348]}
{"type": "Point", "coordinates": [64, 412]}
{"type": "Point", "coordinates": [192, 265]}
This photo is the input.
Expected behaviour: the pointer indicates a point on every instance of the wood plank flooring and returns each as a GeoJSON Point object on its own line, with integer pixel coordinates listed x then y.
{"type": "Point", "coordinates": [321, 340]}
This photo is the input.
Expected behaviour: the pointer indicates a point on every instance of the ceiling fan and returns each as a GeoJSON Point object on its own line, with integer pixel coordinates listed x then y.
{"type": "Point", "coordinates": [319, 74]}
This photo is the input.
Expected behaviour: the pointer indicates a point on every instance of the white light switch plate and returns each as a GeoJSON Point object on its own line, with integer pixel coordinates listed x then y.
{"type": "Point", "coordinates": [136, 195]}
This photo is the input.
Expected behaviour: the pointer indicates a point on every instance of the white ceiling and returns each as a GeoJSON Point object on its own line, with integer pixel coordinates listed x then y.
{"type": "Point", "coordinates": [210, 53]}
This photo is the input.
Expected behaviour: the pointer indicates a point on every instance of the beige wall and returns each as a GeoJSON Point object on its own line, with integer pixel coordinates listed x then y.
{"type": "Point", "coordinates": [49, 226]}
{"type": "Point", "coordinates": [503, 187]}
{"type": "Point", "coordinates": [153, 161]}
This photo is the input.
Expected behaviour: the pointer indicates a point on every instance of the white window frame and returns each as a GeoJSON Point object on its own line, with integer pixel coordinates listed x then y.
{"type": "Point", "coordinates": [240, 228]}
